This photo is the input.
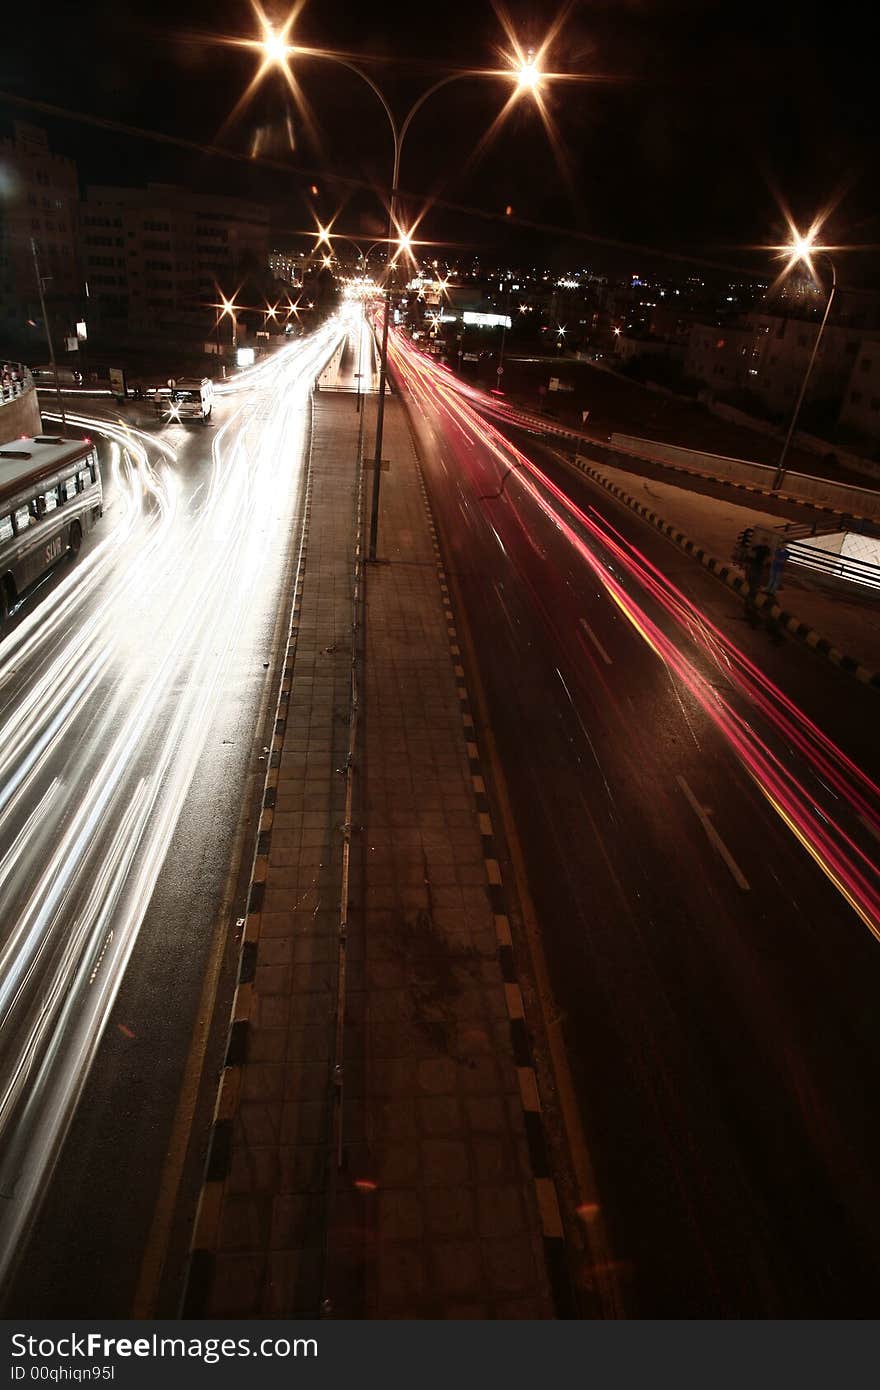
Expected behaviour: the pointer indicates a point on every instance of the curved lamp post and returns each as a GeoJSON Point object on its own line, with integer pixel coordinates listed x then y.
{"type": "Point", "coordinates": [802, 250]}
{"type": "Point", "coordinates": [277, 51]}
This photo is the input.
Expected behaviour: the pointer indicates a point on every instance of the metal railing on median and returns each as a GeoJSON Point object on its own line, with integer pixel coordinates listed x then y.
{"type": "Point", "coordinates": [834, 564]}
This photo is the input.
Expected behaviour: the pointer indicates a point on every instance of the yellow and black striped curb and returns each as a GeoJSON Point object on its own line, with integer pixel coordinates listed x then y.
{"type": "Point", "coordinates": [538, 425]}
{"type": "Point", "coordinates": [536, 1138]}
{"type": "Point", "coordinates": [206, 1229]}
{"type": "Point", "coordinates": [732, 577]}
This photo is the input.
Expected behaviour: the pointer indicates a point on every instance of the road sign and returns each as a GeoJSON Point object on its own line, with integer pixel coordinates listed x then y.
{"type": "Point", "coordinates": [117, 382]}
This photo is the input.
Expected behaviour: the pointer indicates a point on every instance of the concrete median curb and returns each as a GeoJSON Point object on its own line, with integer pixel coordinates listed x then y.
{"type": "Point", "coordinates": [729, 575]}
{"type": "Point", "coordinates": [539, 424]}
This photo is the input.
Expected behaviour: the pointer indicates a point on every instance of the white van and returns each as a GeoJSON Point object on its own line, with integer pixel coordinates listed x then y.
{"type": "Point", "coordinates": [187, 399]}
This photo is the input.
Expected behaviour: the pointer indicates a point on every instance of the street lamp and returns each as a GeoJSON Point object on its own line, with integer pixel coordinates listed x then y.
{"type": "Point", "coordinates": [499, 371]}
{"type": "Point", "coordinates": [277, 51]}
{"type": "Point", "coordinates": [528, 74]}
{"type": "Point", "coordinates": [228, 309]}
{"type": "Point", "coordinates": [41, 287]}
{"type": "Point", "coordinates": [801, 251]}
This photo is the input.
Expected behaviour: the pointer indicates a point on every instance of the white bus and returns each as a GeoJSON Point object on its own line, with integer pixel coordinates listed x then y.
{"type": "Point", "coordinates": [50, 496]}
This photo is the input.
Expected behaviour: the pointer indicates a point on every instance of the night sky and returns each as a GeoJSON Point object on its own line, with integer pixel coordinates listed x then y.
{"type": "Point", "coordinates": [697, 115]}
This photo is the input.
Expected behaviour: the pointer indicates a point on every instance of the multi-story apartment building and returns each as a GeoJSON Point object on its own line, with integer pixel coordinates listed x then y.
{"type": "Point", "coordinates": [287, 267]}
{"type": "Point", "coordinates": [768, 355]}
{"type": "Point", "coordinates": [159, 255]}
{"type": "Point", "coordinates": [39, 202]}
{"type": "Point", "coordinates": [861, 401]}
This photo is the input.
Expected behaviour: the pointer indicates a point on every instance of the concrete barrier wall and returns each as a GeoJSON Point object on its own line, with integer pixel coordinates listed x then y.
{"type": "Point", "coordinates": [20, 416]}
{"type": "Point", "coordinates": [856, 501]}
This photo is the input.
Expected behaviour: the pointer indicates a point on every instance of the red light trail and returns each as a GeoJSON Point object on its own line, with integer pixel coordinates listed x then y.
{"type": "Point", "coordinates": [596, 541]}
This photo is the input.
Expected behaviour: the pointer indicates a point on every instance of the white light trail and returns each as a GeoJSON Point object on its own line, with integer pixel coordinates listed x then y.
{"type": "Point", "coordinates": [104, 710]}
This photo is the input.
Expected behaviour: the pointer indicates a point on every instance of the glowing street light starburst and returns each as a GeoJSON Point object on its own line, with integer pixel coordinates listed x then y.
{"type": "Point", "coordinates": [275, 48]}
{"type": "Point", "coordinates": [528, 75]}
{"type": "Point", "coordinates": [274, 51]}
{"type": "Point", "coordinates": [228, 307]}
{"type": "Point", "coordinates": [801, 249]}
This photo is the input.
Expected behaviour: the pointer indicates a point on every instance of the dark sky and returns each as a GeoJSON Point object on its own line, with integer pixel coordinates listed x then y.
{"type": "Point", "coordinates": [698, 111]}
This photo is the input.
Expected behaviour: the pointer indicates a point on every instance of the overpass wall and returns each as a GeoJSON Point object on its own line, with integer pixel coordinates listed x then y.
{"type": "Point", "coordinates": [856, 501]}
{"type": "Point", "coordinates": [20, 416]}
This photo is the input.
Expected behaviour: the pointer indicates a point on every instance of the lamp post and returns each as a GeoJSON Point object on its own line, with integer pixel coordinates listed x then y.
{"type": "Point", "coordinates": [228, 309]}
{"type": "Point", "coordinates": [277, 51]}
{"type": "Point", "coordinates": [802, 250]}
{"type": "Point", "coordinates": [41, 286]}
{"type": "Point", "coordinates": [499, 371]}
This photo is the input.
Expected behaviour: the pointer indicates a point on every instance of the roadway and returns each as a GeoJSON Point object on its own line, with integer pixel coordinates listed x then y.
{"type": "Point", "coordinates": [135, 692]}
{"type": "Point", "coordinates": [699, 818]}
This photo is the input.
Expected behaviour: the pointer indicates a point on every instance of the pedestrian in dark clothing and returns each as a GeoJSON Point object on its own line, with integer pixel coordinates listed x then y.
{"type": "Point", "coordinates": [777, 565]}
{"type": "Point", "coordinates": [755, 566]}
{"type": "Point", "coordinates": [755, 561]}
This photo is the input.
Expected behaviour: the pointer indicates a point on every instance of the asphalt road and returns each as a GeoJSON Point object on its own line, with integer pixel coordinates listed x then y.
{"type": "Point", "coordinates": [713, 955]}
{"type": "Point", "coordinates": [133, 688]}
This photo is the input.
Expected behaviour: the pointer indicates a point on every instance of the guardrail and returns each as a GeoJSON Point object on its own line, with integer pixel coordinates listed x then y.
{"type": "Point", "coordinates": [832, 563]}
{"type": "Point", "coordinates": [15, 378]}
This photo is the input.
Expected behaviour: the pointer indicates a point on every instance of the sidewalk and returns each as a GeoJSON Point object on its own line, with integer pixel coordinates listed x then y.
{"type": "Point", "coordinates": [851, 624]}
{"type": "Point", "coordinates": [443, 1205]}
{"type": "Point", "coordinates": [438, 1216]}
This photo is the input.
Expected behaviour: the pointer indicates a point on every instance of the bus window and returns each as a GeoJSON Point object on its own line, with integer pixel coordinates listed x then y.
{"type": "Point", "coordinates": [85, 480]}
{"type": "Point", "coordinates": [5, 528]}
{"type": "Point", "coordinates": [49, 501]}
{"type": "Point", "coordinates": [68, 488]}
{"type": "Point", "coordinates": [22, 519]}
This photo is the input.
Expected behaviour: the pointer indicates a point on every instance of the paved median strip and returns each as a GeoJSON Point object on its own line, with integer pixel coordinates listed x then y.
{"type": "Point", "coordinates": [545, 1191]}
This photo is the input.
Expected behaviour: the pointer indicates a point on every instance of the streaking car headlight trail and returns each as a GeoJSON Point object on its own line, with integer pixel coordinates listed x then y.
{"type": "Point", "coordinates": [122, 691]}
{"type": "Point", "coordinates": [824, 798]}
